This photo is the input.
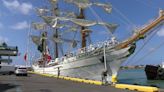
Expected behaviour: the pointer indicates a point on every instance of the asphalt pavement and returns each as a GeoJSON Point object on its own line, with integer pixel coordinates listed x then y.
{"type": "Point", "coordinates": [37, 83]}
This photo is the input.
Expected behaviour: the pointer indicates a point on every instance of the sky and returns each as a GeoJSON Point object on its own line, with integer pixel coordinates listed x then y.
{"type": "Point", "coordinates": [16, 16]}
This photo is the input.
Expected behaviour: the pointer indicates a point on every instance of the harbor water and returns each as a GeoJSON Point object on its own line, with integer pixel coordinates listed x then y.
{"type": "Point", "coordinates": [137, 77]}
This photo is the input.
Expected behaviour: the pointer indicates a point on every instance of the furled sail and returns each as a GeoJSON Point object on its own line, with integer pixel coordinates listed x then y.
{"type": "Point", "coordinates": [106, 7]}
{"type": "Point", "coordinates": [111, 27]}
{"type": "Point", "coordinates": [53, 1]}
{"type": "Point", "coordinates": [63, 18]}
{"type": "Point", "coordinates": [39, 26]}
{"type": "Point", "coordinates": [87, 23]}
{"type": "Point", "coordinates": [51, 20]}
{"type": "Point", "coordinates": [83, 22]}
{"type": "Point", "coordinates": [80, 3]}
{"type": "Point", "coordinates": [36, 39]}
{"type": "Point", "coordinates": [87, 30]}
{"type": "Point", "coordinates": [62, 40]}
{"type": "Point", "coordinates": [68, 14]}
{"type": "Point", "coordinates": [72, 29]}
{"type": "Point", "coordinates": [42, 11]}
{"type": "Point", "coordinates": [57, 40]}
{"type": "Point", "coordinates": [71, 14]}
{"type": "Point", "coordinates": [86, 3]}
{"type": "Point", "coordinates": [60, 26]}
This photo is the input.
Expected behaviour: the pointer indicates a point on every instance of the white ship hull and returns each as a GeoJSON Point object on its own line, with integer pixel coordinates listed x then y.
{"type": "Point", "coordinates": [89, 67]}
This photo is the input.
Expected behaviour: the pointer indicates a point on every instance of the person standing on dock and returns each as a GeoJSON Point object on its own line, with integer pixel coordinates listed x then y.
{"type": "Point", "coordinates": [58, 72]}
{"type": "Point", "coordinates": [104, 77]}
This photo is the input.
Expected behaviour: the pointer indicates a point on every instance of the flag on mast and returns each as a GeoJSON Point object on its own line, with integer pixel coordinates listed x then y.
{"type": "Point", "coordinates": [47, 54]}
{"type": "Point", "coordinates": [25, 57]}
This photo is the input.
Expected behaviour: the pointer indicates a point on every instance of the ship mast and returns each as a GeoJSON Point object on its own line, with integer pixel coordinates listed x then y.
{"type": "Point", "coordinates": [43, 44]}
{"type": "Point", "coordinates": [142, 31]}
{"type": "Point", "coordinates": [83, 34]}
{"type": "Point", "coordinates": [56, 45]}
{"type": "Point", "coordinates": [56, 35]}
{"type": "Point", "coordinates": [54, 5]}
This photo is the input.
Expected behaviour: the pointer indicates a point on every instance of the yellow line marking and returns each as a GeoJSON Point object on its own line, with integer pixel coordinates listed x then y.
{"type": "Point", "coordinates": [137, 88]}
{"type": "Point", "coordinates": [70, 78]}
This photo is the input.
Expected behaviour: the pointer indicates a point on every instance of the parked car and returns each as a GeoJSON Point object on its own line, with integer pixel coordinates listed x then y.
{"type": "Point", "coordinates": [21, 71]}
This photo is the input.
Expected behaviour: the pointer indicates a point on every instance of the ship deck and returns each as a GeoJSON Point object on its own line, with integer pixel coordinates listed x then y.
{"type": "Point", "coordinates": [38, 83]}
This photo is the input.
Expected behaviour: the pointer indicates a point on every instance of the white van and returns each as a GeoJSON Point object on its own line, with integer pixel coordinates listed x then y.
{"type": "Point", "coordinates": [7, 69]}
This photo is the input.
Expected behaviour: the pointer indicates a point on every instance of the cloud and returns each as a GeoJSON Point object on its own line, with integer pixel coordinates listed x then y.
{"type": "Point", "coordinates": [3, 39]}
{"type": "Point", "coordinates": [160, 33]}
{"type": "Point", "coordinates": [20, 25]}
{"type": "Point", "coordinates": [14, 5]}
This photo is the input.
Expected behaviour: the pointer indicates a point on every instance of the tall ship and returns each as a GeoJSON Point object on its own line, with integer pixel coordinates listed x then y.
{"type": "Point", "coordinates": [89, 60]}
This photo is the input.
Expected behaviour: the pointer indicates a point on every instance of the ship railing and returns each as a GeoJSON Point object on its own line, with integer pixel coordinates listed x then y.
{"type": "Point", "coordinates": [86, 50]}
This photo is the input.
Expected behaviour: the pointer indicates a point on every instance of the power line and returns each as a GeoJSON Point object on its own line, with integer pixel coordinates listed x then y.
{"type": "Point", "coordinates": [123, 16]}
{"type": "Point", "coordinates": [99, 19]}
{"type": "Point", "coordinates": [142, 58]}
{"type": "Point", "coordinates": [125, 19]}
{"type": "Point", "coordinates": [156, 32]}
{"type": "Point", "coordinates": [146, 4]}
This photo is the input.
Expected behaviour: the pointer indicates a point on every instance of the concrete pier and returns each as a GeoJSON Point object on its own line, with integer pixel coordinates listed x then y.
{"type": "Point", "coordinates": [38, 83]}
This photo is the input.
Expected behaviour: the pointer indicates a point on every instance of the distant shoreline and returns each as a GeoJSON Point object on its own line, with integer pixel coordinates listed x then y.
{"type": "Point", "coordinates": [132, 67]}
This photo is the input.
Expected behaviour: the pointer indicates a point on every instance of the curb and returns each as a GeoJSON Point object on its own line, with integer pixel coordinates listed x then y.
{"type": "Point", "coordinates": [137, 88]}
{"type": "Point", "coordinates": [120, 86]}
